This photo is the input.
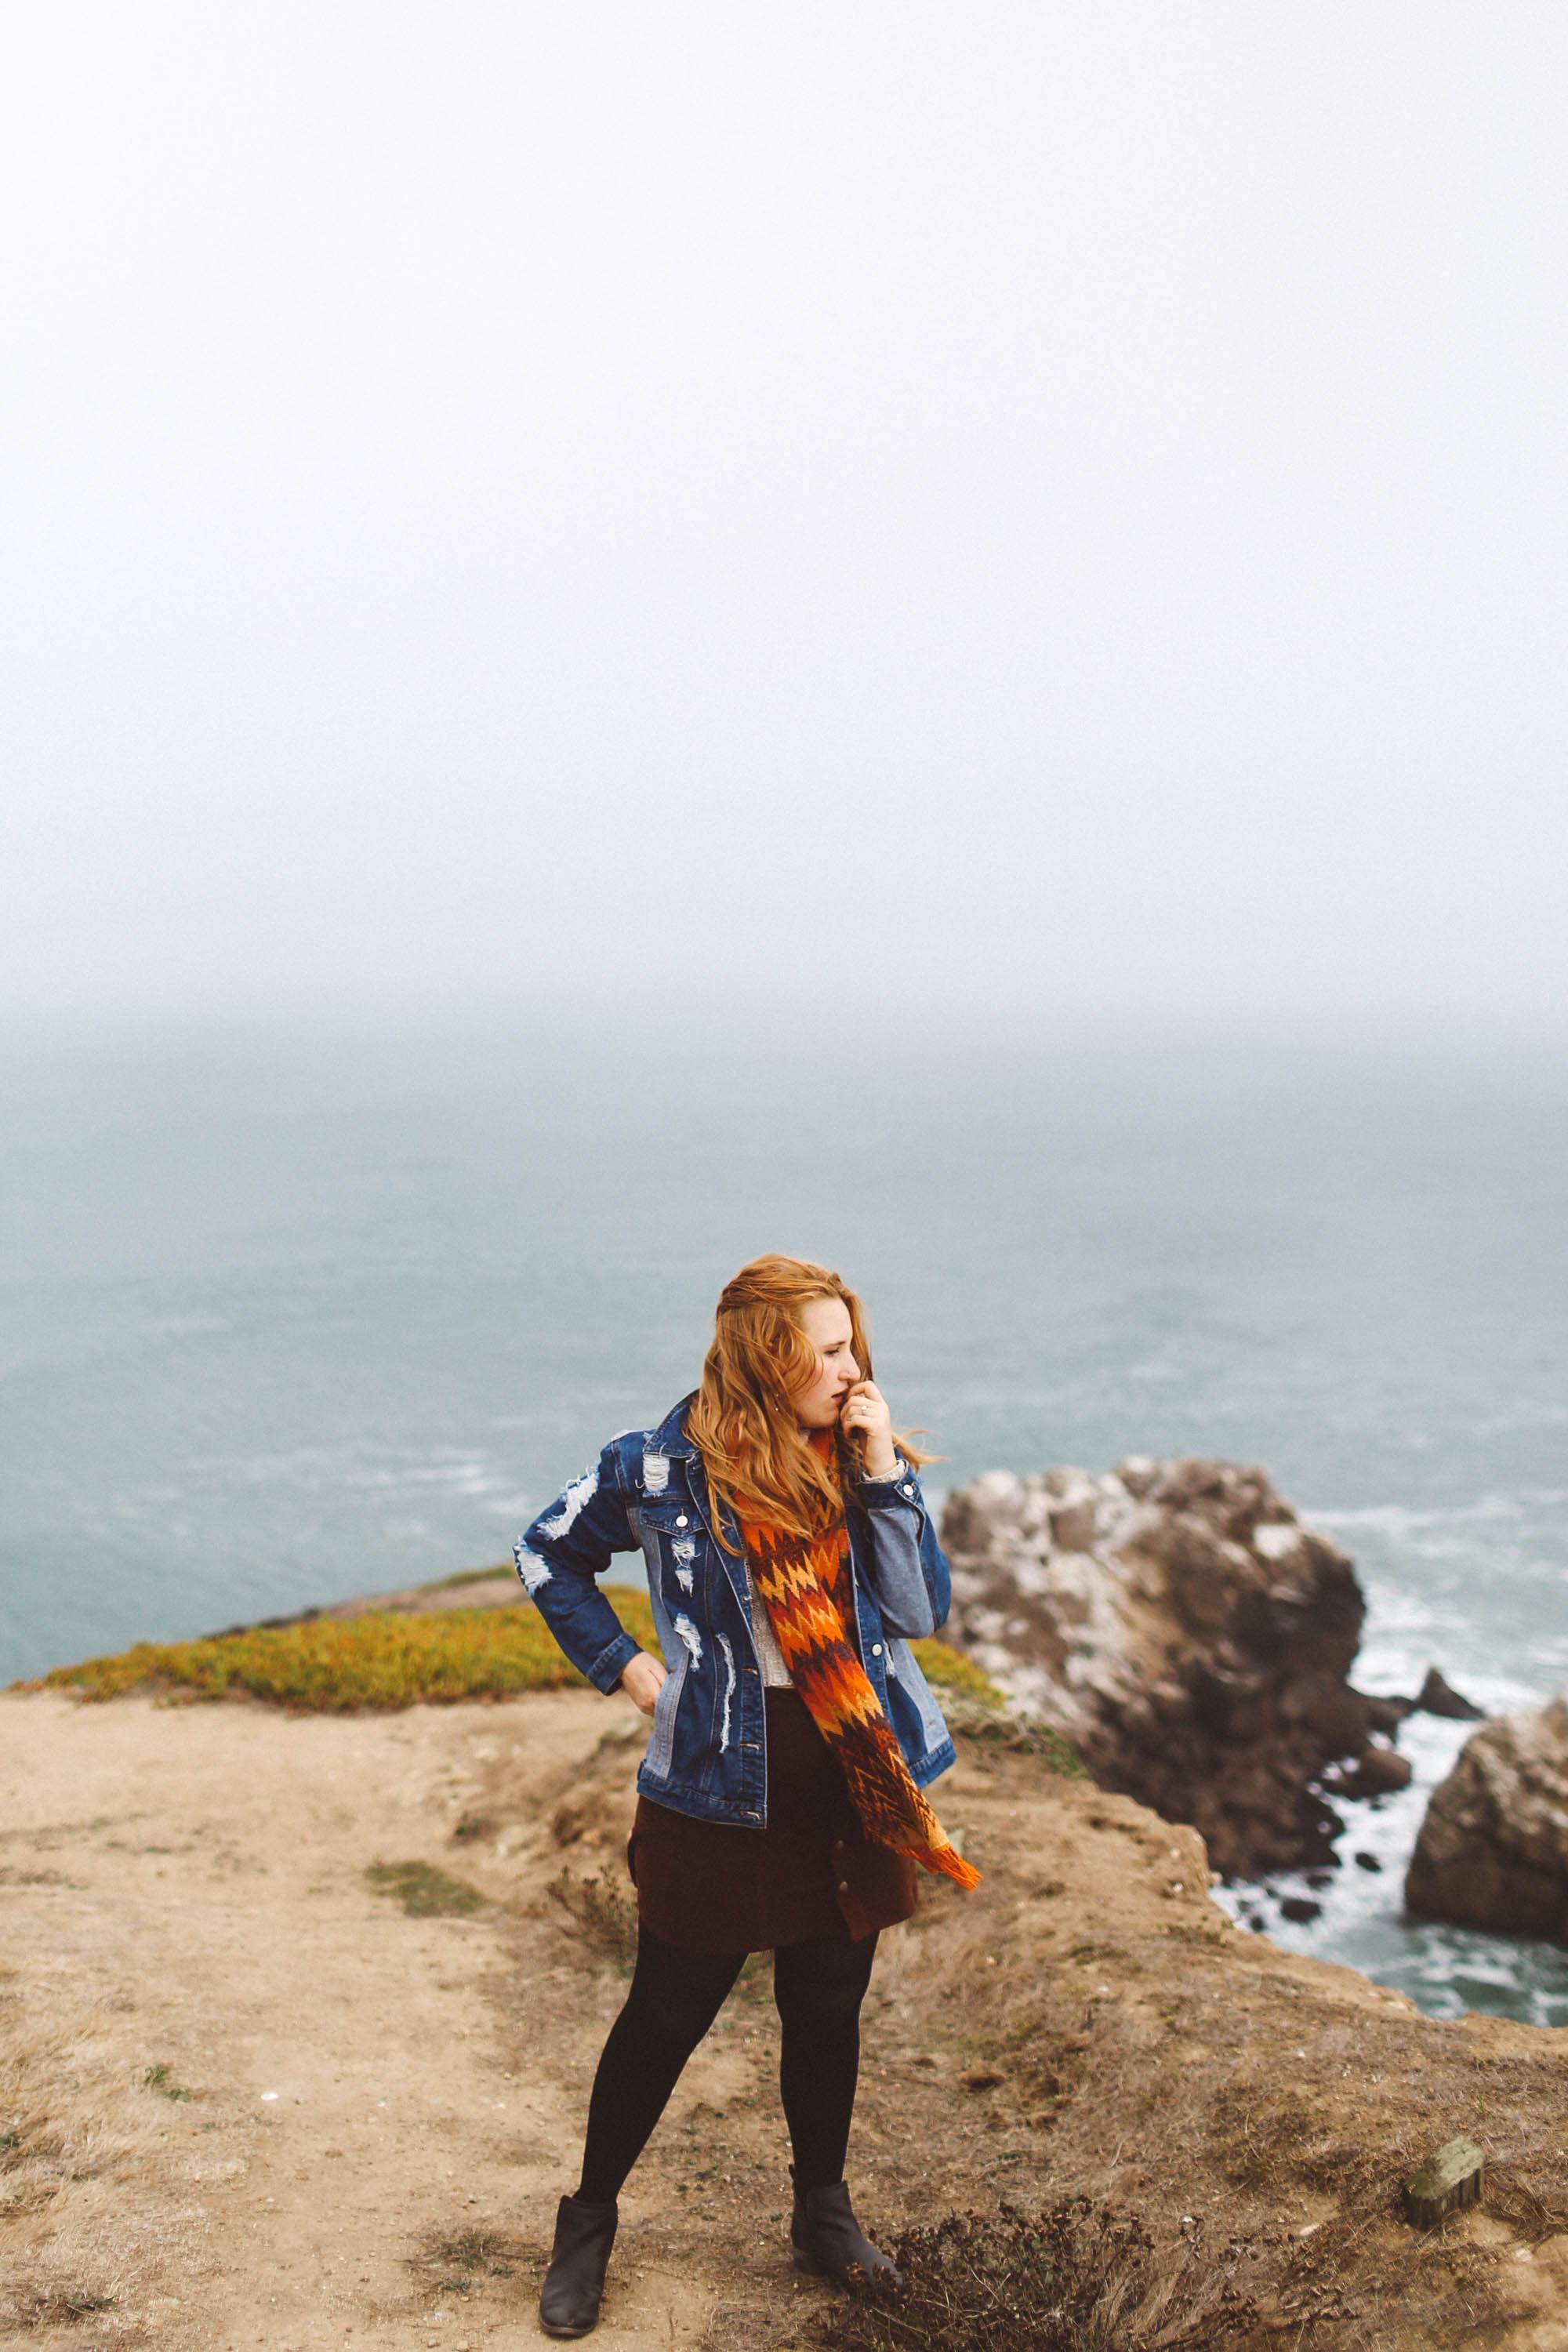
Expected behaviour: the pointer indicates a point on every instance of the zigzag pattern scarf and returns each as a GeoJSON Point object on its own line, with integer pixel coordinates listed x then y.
{"type": "Point", "coordinates": [806, 1586]}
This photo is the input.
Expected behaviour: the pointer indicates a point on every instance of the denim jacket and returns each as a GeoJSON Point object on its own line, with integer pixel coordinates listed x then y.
{"type": "Point", "coordinates": [708, 1753]}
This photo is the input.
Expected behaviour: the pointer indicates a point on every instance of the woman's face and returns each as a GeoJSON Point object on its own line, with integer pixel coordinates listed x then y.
{"type": "Point", "coordinates": [824, 1322]}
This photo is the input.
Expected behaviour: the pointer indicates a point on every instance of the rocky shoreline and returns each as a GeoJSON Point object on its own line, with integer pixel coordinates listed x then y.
{"type": "Point", "coordinates": [1177, 1621]}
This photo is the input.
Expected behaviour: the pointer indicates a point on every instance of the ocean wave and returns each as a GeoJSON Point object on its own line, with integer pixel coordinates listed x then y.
{"type": "Point", "coordinates": [1402, 1519]}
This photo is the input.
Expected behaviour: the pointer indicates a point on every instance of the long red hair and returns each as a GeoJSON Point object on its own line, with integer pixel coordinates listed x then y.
{"type": "Point", "coordinates": [742, 1420]}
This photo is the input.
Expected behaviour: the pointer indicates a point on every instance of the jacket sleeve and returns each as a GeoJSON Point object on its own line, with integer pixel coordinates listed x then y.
{"type": "Point", "coordinates": [569, 1545]}
{"type": "Point", "coordinates": [906, 1565]}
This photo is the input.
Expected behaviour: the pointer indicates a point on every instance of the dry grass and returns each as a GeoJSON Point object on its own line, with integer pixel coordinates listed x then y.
{"type": "Point", "coordinates": [388, 1658]}
{"type": "Point", "coordinates": [81, 2124]}
{"type": "Point", "coordinates": [1072, 2277]}
{"type": "Point", "coordinates": [70, 2110]}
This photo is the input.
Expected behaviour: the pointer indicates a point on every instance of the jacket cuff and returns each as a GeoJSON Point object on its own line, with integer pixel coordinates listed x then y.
{"type": "Point", "coordinates": [901, 1484]}
{"type": "Point", "coordinates": [613, 1661]}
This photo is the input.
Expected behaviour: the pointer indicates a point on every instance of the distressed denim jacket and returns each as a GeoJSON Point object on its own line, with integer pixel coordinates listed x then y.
{"type": "Point", "coordinates": [708, 1753]}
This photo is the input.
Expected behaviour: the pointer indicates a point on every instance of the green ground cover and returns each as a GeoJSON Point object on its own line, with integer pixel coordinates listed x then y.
{"type": "Point", "coordinates": [392, 1659]}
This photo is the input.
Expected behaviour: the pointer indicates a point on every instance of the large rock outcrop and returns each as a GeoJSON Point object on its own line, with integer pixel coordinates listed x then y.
{"type": "Point", "coordinates": [1190, 1637]}
{"type": "Point", "coordinates": [1493, 1849]}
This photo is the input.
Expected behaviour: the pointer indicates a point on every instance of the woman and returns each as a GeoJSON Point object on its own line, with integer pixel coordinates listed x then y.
{"type": "Point", "coordinates": [779, 1805]}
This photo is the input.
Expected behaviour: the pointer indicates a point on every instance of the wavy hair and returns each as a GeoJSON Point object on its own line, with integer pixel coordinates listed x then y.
{"type": "Point", "coordinates": [742, 1421]}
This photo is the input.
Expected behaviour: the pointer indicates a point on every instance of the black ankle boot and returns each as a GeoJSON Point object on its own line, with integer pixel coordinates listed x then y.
{"type": "Point", "coordinates": [569, 2299]}
{"type": "Point", "coordinates": [827, 2238]}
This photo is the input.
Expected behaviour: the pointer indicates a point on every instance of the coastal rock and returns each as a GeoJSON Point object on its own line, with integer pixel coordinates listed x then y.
{"type": "Point", "coordinates": [1375, 1772]}
{"type": "Point", "coordinates": [1493, 1849]}
{"type": "Point", "coordinates": [1437, 1696]}
{"type": "Point", "coordinates": [1177, 1622]}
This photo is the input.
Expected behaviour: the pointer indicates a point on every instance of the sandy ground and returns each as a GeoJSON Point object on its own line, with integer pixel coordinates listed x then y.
{"type": "Point", "coordinates": [246, 2100]}
{"type": "Point", "coordinates": [184, 1888]}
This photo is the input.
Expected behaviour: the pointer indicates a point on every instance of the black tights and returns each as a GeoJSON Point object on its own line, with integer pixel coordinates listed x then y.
{"type": "Point", "coordinates": [673, 1997]}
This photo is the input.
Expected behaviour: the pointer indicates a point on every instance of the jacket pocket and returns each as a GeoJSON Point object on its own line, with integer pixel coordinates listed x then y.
{"type": "Point", "coordinates": [904, 1667]}
{"type": "Point", "coordinates": [670, 1535]}
{"type": "Point", "coordinates": [661, 1745]}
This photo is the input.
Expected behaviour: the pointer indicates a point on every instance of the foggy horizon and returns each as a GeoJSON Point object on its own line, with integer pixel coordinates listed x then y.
{"type": "Point", "coordinates": [1052, 521]}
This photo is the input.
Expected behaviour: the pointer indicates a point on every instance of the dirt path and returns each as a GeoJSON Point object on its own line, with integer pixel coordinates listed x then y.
{"type": "Point", "coordinates": [184, 1889]}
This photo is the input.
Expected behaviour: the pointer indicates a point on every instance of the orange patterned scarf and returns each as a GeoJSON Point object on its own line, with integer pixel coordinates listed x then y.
{"type": "Point", "coordinates": [806, 1586]}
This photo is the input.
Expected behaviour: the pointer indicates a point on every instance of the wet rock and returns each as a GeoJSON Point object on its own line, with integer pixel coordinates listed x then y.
{"type": "Point", "coordinates": [1367, 1862]}
{"type": "Point", "coordinates": [1388, 1713]}
{"type": "Point", "coordinates": [1300, 1908]}
{"type": "Point", "coordinates": [1178, 1623]}
{"type": "Point", "coordinates": [1438, 1697]}
{"type": "Point", "coordinates": [1375, 1772]}
{"type": "Point", "coordinates": [1493, 1849]}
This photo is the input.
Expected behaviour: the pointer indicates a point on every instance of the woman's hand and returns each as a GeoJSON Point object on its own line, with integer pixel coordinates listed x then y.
{"type": "Point", "coordinates": [642, 1679]}
{"type": "Point", "coordinates": [865, 1416]}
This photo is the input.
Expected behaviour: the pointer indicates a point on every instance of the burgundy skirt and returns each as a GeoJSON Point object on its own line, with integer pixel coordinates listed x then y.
{"type": "Point", "coordinates": [714, 1886]}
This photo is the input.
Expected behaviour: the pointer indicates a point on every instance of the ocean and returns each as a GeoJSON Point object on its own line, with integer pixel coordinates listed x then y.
{"type": "Point", "coordinates": [294, 1312]}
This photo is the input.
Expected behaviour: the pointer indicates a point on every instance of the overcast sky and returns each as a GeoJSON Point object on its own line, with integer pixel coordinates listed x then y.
{"type": "Point", "coordinates": [1045, 507]}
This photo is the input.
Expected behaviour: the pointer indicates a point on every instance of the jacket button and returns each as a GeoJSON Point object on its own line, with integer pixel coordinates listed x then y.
{"type": "Point", "coordinates": [844, 1886]}
{"type": "Point", "coordinates": [680, 1516]}
{"type": "Point", "coordinates": [906, 1488]}
{"type": "Point", "coordinates": [876, 1649]}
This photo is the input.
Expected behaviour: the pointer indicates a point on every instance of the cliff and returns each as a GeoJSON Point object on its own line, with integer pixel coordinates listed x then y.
{"type": "Point", "coordinates": [298, 2013]}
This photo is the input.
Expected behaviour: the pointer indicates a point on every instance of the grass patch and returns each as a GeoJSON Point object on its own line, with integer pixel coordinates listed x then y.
{"type": "Point", "coordinates": [386, 1659]}
{"type": "Point", "coordinates": [158, 2078]}
{"type": "Point", "coordinates": [425, 1891]}
{"type": "Point", "coordinates": [948, 1669]}
{"type": "Point", "coordinates": [458, 2264]}
{"type": "Point", "coordinates": [982, 1721]}
{"type": "Point", "coordinates": [471, 2250]}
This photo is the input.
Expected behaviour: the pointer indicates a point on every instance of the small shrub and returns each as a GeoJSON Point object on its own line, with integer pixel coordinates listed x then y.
{"type": "Point", "coordinates": [603, 1909]}
{"type": "Point", "coordinates": [1071, 2278]}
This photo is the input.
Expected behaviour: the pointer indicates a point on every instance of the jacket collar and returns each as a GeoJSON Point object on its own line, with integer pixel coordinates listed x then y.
{"type": "Point", "coordinates": [670, 1436]}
